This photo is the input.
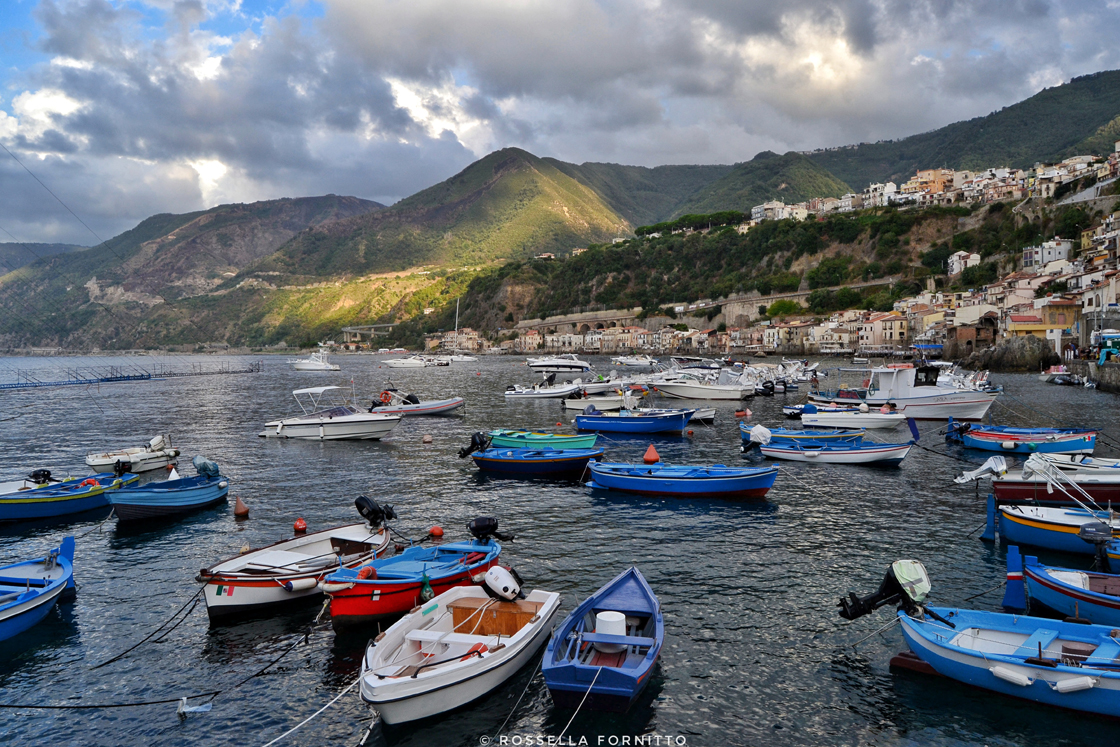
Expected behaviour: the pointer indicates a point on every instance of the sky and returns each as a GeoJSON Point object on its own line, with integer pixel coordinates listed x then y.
{"type": "Point", "coordinates": [128, 108]}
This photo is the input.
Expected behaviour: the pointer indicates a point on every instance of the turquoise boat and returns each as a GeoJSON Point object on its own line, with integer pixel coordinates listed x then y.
{"type": "Point", "coordinates": [529, 439]}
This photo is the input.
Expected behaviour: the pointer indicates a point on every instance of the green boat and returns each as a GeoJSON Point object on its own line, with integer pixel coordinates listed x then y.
{"type": "Point", "coordinates": [529, 439]}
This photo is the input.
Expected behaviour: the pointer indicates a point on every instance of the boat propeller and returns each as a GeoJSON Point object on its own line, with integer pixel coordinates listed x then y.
{"type": "Point", "coordinates": [485, 527]}
{"type": "Point", "coordinates": [479, 442]}
{"type": "Point", "coordinates": [373, 512]}
{"type": "Point", "coordinates": [906, 584]}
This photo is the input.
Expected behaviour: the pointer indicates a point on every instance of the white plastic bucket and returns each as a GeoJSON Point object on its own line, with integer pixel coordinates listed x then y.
{"type": "Point", "coordinates": [610, 623]}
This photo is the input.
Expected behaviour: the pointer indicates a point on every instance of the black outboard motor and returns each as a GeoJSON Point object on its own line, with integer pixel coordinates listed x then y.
{"type": "Point", "coordinates": [550, 379]}
{"type": "Point", "coordinates": [1098, 534]}
{"type": "Point", "coordinates": [373, 512]}
{"type": "Point", "coordinates": [412, 399]}
{"type": "Point", "coordinates": [479, 442]}
{"type": "Point", "coordinates": [40, 476]}
{"type": "Point", "coordinates": [121, 467]}
{"type": "Point", "coordinates": [485, 527]}
{"type": "Point", "coordinates": [906, 584]}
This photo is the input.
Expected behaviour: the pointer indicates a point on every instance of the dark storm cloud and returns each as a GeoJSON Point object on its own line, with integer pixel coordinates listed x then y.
{"type": "Point", "coordinates": [380, 98]}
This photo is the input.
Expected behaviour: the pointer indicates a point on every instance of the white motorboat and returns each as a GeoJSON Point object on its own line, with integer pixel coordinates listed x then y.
{"type": "Point", "coordinates": [392, 401]}
{"type": "Point", "coordinates": [694, 363]}
{"type": "Point", "coordinates": [329, 422]}
{"type": "Point", "coordinates": [412, 361]}
{"type": "Point", "coordinates": [541, 391]}
{"type": "Point", "coordinates": [916, 393]}
{"type": "Point", "coordinates": [851, 419]}
{"type": "Point", "coordinates": [687, 387]}
{"type": "Point", "coordinates": [601, 402]}
{"type": "Point", "coordinates": [455, 649]}
{"type": "Point", "coordinates": [158, 453]}
{"type": "Point", "coordinates": [290, 571]}
{"type": "Point", "coordinates": [462, 358]}
{"type": "Point", "coordinates": [317, 361]}
{"type": "Point", "coordinates": [634, 360]}
{"type": "Point", "coordinates": [560, 364]}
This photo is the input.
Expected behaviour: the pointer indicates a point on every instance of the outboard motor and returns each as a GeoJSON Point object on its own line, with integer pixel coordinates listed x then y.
{"type": "Point", "coordinates": [206, 468]}
{"type": "Point", "coordinates": [1098, 534]}
{"type": "Point", "coordinates": [760, 436]}
{"type": "Point", "coordinates": [373, 512]}
{"type": "Point", "coordinates": [591, 410]}
{"type": "Point", "coordinates": [503, 583]}
{"type": "Point", "coordinates": [550, 379]}
{"type": "Point", "coordinates": [120, 468]}
{"type": "Point", "coordinates": [485, 527]}
{"type": "Point", "coordinates": [42, 476]}
{"type": "Point", "coordinates": [412, 399]}
{"type": "Point", "coordinates": [906, 584]}
{"type": "Point", "coordinates": [479, 442]}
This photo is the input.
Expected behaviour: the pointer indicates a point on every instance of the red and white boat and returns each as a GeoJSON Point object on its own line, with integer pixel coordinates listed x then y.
{"type": "Point", "coordinates": [289, 572]}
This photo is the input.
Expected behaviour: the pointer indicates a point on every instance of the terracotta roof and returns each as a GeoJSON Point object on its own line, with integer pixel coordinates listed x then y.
{"type": "Point", "coordinates": [1026, 319]}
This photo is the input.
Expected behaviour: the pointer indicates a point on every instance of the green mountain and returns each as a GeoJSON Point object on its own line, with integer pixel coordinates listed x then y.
{"type": "Point", "coordinates": [1076, 118]}
{"type": "Point", "coordinates": [790, 178]}
{"type": "Point", "coordinates": [15, 254]}
{"type": "Point", "coordinates": [508, 204]}
{"type": "Point", "coordinates": [639, 194]}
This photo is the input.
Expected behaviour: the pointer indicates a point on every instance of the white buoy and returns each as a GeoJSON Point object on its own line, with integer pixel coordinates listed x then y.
{"type": "Point", "coordinates": [610, 623]}
{"type": "Point", "coordinates": [1009, 445]}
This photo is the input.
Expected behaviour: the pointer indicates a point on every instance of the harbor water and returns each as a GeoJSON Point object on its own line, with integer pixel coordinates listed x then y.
{"type": "Point", "coordinates": [755, 653]}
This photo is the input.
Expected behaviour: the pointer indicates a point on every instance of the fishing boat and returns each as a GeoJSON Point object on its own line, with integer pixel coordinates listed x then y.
{"type": "Point", "coordinates": [157, 454]}
{"type": "Point", "coordinates": [916, 393]}
{"type": "Point", "coordinates": [604, 652]}
{"type": "Point", "coordinates": [1051, 527]}
{"type": "Point", "coordinates": [1064, 664]}
{"type": "Point", "coordinates": [1093, 596]}
{"type": "Point", "coordinates": [559, 364]}
{"type": "Point", "coordinates": [329, 421]}
{"type": "Point", "coordinates": [625, 421]}
{"type": "Point", "coordinates": [837, 452]}
{"type": "Point", "coordinates": [317, 361]}
{"type": "Point", "coordinates": [1101, 487]}
{"type": "Point", "coordinates": [1022, 440]}
{"type": "Point", "coordinates": [540, 440]}
{"type": "Point", "coordinates": [634, 361]}
{"type": "Point", "coordinates": [40, 478]}
{"type": "Point", "coordinates": [173, 496]}
{"type": "Point", "coordinates": [392, 586]}
{"type": "Point", "coordinates": [30, 589]}
{"type": "Point", "coordinates": [392, 401]}
{"type": "Point", "coordinates": [787, 435]}
{"type": "Point", "coordinates": [70, 497]}
{"type": "Point", "coordinates": [530, 462]}
{"type": "Point", "coordinates": [717, 481]}
{"type": "Point", "coordinates": [288, 572]}
{"type": "Point", "coordinates": [456, 648]}
{"type": "Point", "coordinates": [863, 418]}
{"type": "Point", "coordinates": [412, 361]}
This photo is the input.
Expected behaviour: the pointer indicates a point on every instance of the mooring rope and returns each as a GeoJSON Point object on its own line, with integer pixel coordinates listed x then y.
{"type": "Point", "coordinates": [573, 718]}
{"type": "Point", "coordinates": [308, 720]}
{"type": "Point", "coordinates": [515, 705]}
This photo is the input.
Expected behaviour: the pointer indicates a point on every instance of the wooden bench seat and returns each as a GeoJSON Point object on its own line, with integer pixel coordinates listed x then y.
{"type": "Point", "coordinates": [431, 636]}
{"type": "Point", "coordinates": [620, 640]}
{"type": "Point", "coordinates": [1040, 637]}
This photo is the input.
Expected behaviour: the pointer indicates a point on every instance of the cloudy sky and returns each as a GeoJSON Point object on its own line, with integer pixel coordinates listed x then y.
{"type": "Point", "coordinates": [126, 108]}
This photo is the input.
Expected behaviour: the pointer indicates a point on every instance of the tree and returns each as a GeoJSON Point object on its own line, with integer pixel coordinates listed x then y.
{"type": "Point", "coordinates": [784, 307]}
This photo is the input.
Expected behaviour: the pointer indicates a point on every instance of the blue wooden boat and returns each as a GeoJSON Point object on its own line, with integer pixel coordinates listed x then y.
{"type": "Point", "coordinates": [157, 500]}
{"type": "Point", "coordinates": [791, 435]}
{"type": "Point", "coordinates": [1004, 438]}
{"type": "Point", "coordinates": [546, 462]}
{"type": "Point", "coordinates": [717, 481]}
{"type": "Point", "coordinates": [1050, 527]}
{"type": "Point", "coordinates": [832, 452]}
{"type": "Point", "coordinates": [29, 590]}
{"type": "Point", "coordinates": [70, 497]}
{"type": "Point", "coordinates": [607, 648]}
{"type": "Point", "coordinates": [625, 421]}
{"type": "Point", "coordinates": [1084, 595]}
{"type": "Point", "coordinates": [527, 439]}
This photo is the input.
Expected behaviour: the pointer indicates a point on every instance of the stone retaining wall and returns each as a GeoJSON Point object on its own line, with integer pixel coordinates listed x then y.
{"type": "Point", "coordinates": [1107, 377]}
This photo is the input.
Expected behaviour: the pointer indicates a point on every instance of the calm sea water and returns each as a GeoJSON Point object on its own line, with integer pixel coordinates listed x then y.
{"type": "Point", "coordinates": [755, 653]}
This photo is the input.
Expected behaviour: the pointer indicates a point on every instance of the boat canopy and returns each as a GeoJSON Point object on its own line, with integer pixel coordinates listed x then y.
{"type": "Point", "coordinates": [315, 390]}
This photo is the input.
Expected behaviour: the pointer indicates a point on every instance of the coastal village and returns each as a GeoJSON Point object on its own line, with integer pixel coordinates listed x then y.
{"type": "Point", "coordinates": [1063, 290]}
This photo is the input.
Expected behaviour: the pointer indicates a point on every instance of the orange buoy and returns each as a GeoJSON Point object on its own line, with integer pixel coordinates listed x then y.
{"type": "Point", "coordinates": [436, 531]}
{"type": "Point", "coordinates": [170, 467]}
{"type": "Point", "coordinates": [478, 374]}
{"type": "Point", "coordinates": [367, 571]}
{"type": "Point", "coordinates": [240, 510]}
{"type": "Point", "coordinates": [690, 433]}
{"type": "Point", "coordinates": [740, 413]}
{"type": "Point", "coordinates": [300, 526]}
{"type": "Point", "coordinates": [651, 456]}
{"type": "Point", "coordinates": [558, 425]}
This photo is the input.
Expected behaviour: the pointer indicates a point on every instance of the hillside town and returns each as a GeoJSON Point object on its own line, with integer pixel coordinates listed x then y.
{"type": "Point", "coordinates": [1063, 290]}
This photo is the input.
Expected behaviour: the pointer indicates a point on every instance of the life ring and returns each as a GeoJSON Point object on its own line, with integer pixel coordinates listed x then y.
{"type": "Point", "coordinates": [386, 398]}
{"type": "Point", "coordinates": [87, 482]}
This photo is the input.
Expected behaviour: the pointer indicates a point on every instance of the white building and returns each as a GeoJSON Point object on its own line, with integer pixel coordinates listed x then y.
{"type": "Point", "coordinates": [958, 261]}
{"type": "Point", "coordinates": [1050, 251]}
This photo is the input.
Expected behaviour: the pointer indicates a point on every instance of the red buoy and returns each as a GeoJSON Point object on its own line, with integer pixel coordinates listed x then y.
{"type": "Point", "coordinates": [690, 433]}
{"type": "Point", "coordinates": [300, 526]}
{"type": "Point", "coordinates": [240, 510]}
{"type": "Point", "coordinates": [559, 425]}
{"type": "Point", "coordinates": [367, 571]}
{"type": "Point", "coordinates": [436, 531]}
{"type": "Point", "coordinates": [651, 456]}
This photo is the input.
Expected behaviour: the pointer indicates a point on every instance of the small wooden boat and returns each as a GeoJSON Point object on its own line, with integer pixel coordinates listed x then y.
{"type": "Point", "coordinates": [70, 497]}
{"type": "Point", "coordinates": [158, 453]}
{"type": "Point", "coordinates": [1102, 487]}
{"type": "Point", "coordinates": [790, 435]}
{"type": "Point", "coordinates": [1051, 527]}
{"type": "Point", "coordinates": [453, 650]}
{"type": "Point", "coordinates": [173, 496]}
{"type": "Point", "coordinates": [30, 589]}
{"type": "Point", "coordinates": [394, 402]}
{"type": "Point", "coordinates": [391, 586]}
{"type": "Point", "coordinates": [40, 478]}
{"type": "Point", "coordinates": [717, 481]}
{"type": "Point", "coordinates": [606, 649]}
{"type": "Point", "coordinates": [1085, 595]}
{"type": "Point", "coordinates": [833, 452]}
{"type": "Point", "coordinates": [626, 421]}
{"type": "Point", "coordinates": [539, 440]}
{"type": "Point", "coordinates": [289, 572]}
{"type": "Point", "coordinates": [543, 462]}
{"type": "Point", "coordinates": [1022, 440]}
{"type": "Point", "coordinates": [1064, 664]}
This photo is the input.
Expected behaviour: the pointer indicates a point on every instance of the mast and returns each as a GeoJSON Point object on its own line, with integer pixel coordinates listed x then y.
{"type": "Point", "coordinates": [456, 321]}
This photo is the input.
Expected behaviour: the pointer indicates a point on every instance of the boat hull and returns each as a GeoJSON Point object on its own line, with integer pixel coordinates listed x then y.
{"type": "Point", "coordinates": [148, 502]}
{"type": "Point", "coordinates": [1049, 528]}
{"type": "Point", "coordinates": [48, 503]}
{"type": "Point", "coordinates": [1019, 445]}
{"type": "Point", "coordinates": [1044, 588]}
{"type": "Point", "coordinates": [526, 439]}
{"type": "Point", "coordinates": [141, 461]}
{"type": "Point", "coordinates": [30, 589]}
{"type": "Point", "coordinates": [435, 407]}
{"type": "Point", "coordinates": [336, 429]}
{"type": "Point", "coordinates": [958, 405]}
{"type": "Point", "coordinates": [633, 424]}
{"type": "Point", "coordinates": [1010, 489]}
{"type": "Point", "coordinates": [824, 453]}
{"type": "Point", "coordinates": [852, 420]}
{"type": "Point", "coordinates": [704, 391]}
{"type": "Point", "coordinates": [535, 462]}
{"type": "Point", "coordinates": [753, 485]}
